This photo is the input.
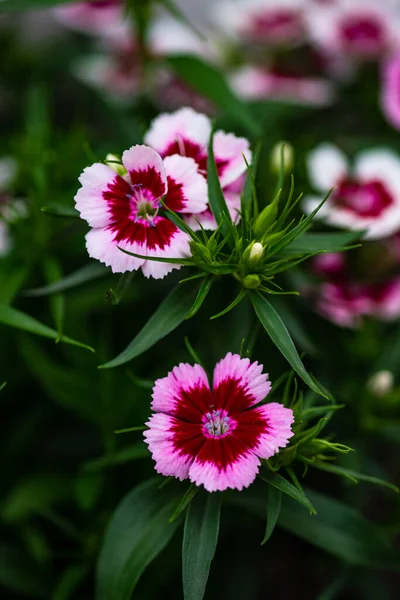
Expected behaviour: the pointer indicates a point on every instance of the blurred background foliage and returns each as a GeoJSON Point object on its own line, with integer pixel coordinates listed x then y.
{"type": "Point", "coordinates": [64, 470]}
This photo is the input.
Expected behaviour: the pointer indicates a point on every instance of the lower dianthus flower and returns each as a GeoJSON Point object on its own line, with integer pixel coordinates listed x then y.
{"type": "Point", "coordinates": [216, 437]}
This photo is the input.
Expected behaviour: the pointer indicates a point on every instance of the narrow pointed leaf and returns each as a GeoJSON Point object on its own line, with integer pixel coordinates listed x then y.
{"type": "Point", "coordinates": [57, 210]}
{"type": "Point", "coordinates": [321, 242]}
{"type": "Point", "coordinates": [216, 197]}
{"type": "Point", "coordinates": [168, 316]}
{"type": "Point", "coordinates": [87, 273]}
{"type": "Point", "coordinates": [200, 538]}
{"type": "Point", "coordinates": [138, 531]}
{"type": "Point", "coordinates": [337, 528]}
{"type": "Point", "coordinates": [354, 475]}
{"type": "Point", "coordinates": [201, 296]}
{"type": "Point", "coordinates": [210, 82]}
{"type": "Point", "coordinates": [279, 334]}
{"type": "Point", "coordinates": [185, 501]}
{"type": "Point", "coordinates": [231, 306]}
{"type": "Point", "coordinates": [274, 502]}
{"type": "Point", "coordinates": [15, 318]}
{"type": "Point", "coordinates": [282, 484]}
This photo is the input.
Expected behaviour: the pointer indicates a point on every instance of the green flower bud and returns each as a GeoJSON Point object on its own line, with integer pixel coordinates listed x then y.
{"type": "Point", "coordinates": [114, 162]}
{"type": "Point", "coordinates": [201, 252]}
{"type": "Point", "coordinates": [288, 157]}
{"type": "Point", "coordinates": [251, 282]}
{"type": "Point", "coordinates": [266, 218]}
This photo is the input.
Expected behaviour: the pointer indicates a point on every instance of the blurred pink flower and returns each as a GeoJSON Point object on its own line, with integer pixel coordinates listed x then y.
{"type": "Point", "coordinates": [390, 90]}
{"type": "Point", "coordinates": [257, 83]}
{"type": "Point", "coordinates": [97, 17]}
{"type": "Point", "coordinates": [366, 195]}
{"type": "Point", "coordinates": [268, 22]}
{"type": "Point", "coordinates": [216, 436]}
{"type": "Point", "coordinates": [355, 29]}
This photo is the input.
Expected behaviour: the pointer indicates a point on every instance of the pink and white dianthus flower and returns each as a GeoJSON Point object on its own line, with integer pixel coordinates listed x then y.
{"type": "Point", "coordinates": [216, 437]}
{"type": "Point", "coordinates": [123, 210]}
{"type": "Point", "coordinates": [356, 29]}
{"type": "Point", "coordinates": [390, 90]}
{"type": "Point", "coordinates": [366, 195]}
{"type": "Point", "coordinates": [266, 22]}
{"type": "Point", "coordinates": [257, 83]}
{"type": "Point", "coordinates": [96, 16]}
{"type": "Point", "coordinates": [187, 133]}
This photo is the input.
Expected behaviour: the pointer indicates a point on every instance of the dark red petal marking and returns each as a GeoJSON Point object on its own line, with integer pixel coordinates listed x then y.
{"type": "Point", "coordinates": [185, 147]}
{"type": "Point", "coordinates": [368, 199]}
{"type": "Point", "coordinates": [130, 231]}
{"type": "Point", "coordinates": [175, 199]}
{"type": "Point", "coordinates": [277, 23]}
{"type": "Point", "coordinates": [364, 33]}
{"type": "Point", "coordinates": [149, 179]}
{"type": "Point", "coordinates": [231, 396]}
{"type": "Point", "coordinates": [223, 451]}
{"type": "Point", "coordinates": [160, 234]}
{"type": "Point", "coordinates": [116, 195]}
{"type": "Point", "coordinates": [188, 438]}
{"type": "Point", "coordinates": [194, 403]}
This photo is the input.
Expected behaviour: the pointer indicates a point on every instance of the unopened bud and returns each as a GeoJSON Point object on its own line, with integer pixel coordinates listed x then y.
{"type": "Point", "coordinates": [282, 150]}
{"type": "Point", "coordinates": [114, 162]}
{"type": "Point", "coordinates": [381, 383]}
{"type": "Point", "coordinates": [256, 252]}
{"type": "Point", "coordinates": [251, 282]}
{"type": "Point", "coordinates": [266, 218]}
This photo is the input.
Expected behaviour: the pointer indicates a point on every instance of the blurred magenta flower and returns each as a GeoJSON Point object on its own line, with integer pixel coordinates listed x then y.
{"type": "Point", "coordinates": [355, 29]}
{"type": "Point", "coordinates": [258, 83]}
{"type": "Point", "coordinates": [268, 22]}
{"type": "Point", "coordinates": [97, 17]}
{"type": "Point", "coordinates": [187, 133]}
{"type": "Point", "coordinates": [216, 437]}
{"type": "Point", "coordinates": [123, 210]}
{"type": "Point", "coordinates": [366, 195]}
{"type": "Point", "coordinates": [390, 90]}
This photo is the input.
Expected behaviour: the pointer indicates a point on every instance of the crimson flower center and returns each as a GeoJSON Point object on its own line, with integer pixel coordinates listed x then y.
{"type": "Point", "coordinates": [366, 199]}
{"type": "Point", "coordinates": [365, 33]}
{"type": "Point", "coordinates": [217, 423]}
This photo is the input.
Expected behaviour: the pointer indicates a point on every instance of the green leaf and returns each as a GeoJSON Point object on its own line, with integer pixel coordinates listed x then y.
{"type": "Point", "coordinates": [57, 301]}
{"type": "Point", "coordinates": [354, 475]}
{"type": "Point", "coordinates": [58, 210]}
{"type": "Point", "coordinates": [138, 531]}
{"type": "Point", "coordinates": [321, 242]}
{"type": "Point", "coordinates": [68, 583]}
{"type": "Point", "coordinates": [211, 83]}
{"type": "Point", "coordinates": [295, 327]}
{"type": "Point", "coordinates": [3, 385]}
{"type": "Point", "coordinates": [274, 503]}
{"type": "Point", "coordinates": [168, 316]}
{"type": "Point", "coordinates": [283, 485]}
{"type": "Point", "coordinates": [26, 4]}
{"type": "Point", "coordinates": [87, 273]}
{"type": "Point", "coordinates": [185, 501]}
{"type": "Point", "coordinates": [216, 197]}
{"type": "Point", "coordinates": [12, 278]}
{"type": "Point", "coordinates": [200, 538]}
{"type": "Point", "coordinates": [15, 318]}
{"type": "Point", "coordinates": [201, 296]}
{"type": "Point", "coordinates": [278, 333]}
{"type": "Point", "coordinates": [337, 528]}
{"type": "Point", "coordinates": [180, 16]}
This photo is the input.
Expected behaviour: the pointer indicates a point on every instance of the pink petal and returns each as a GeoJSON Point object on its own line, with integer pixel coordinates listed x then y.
{"type": "Point", "coordinates": [238, 383]}
{"type": "Point", "coordinates": [219, 466]}
{"type": "Point", "coordinates": [146, 169]}
{"type": "Point", "coordinates": [164, 240]}
{"type": "Point", "coordinates": [101, 244]}
{"type": "Point", "coordinates": [390, 92]}
{"type": "Point", "coordinates": [89, 200]}
{"type": "Point", "coordinates": [170, 460]}
{"type": "Point", "coordinates": [228, 154]}
{"type": "Point", "coordinates": [186, 387]}
{"type": "Point", "coordinates": [279, 420]}
{"type": "Point", "coordinates": [184, 132]}
{"type": "Point", "coordinates": [187, 188]}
